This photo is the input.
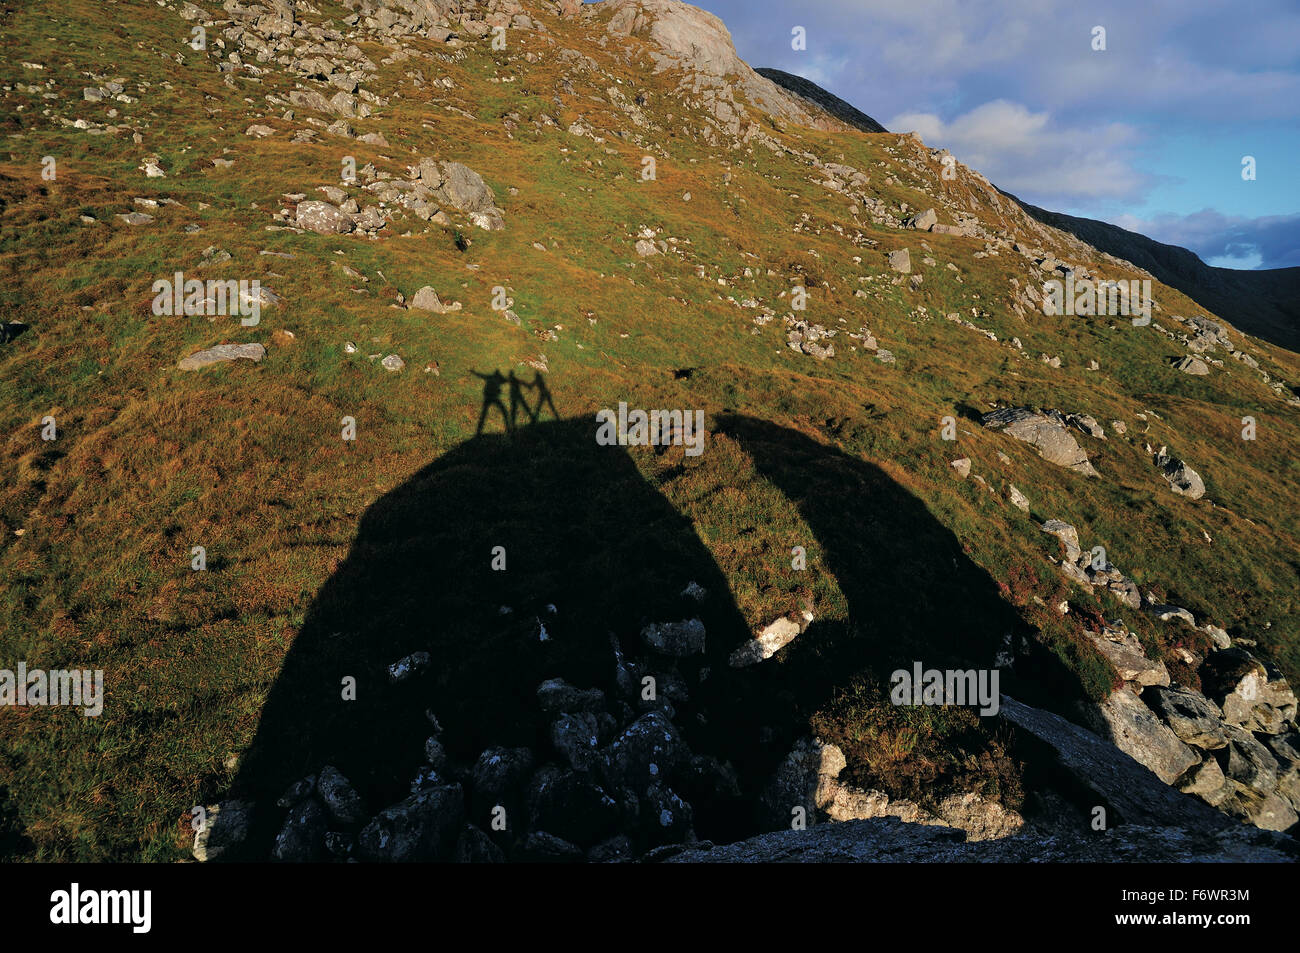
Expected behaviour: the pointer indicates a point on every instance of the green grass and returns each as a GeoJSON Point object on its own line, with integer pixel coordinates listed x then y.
{"type": "Point", "coordinates": [247, 461]}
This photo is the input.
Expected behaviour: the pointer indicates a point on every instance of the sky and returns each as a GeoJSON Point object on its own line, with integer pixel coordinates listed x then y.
{"type": "Point", "coordinates": [1149, 133]}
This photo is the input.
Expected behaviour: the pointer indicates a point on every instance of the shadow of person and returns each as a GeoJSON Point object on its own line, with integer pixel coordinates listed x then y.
{"type": "Point", "coordinates": [911, 594]}
{"type": "Point", "coordinates": [578, 528]}
{"type": "Point", "coordinates": [584, 547]}
{"type": "Point", "coordinates": [492, 384]}
{"type": "Point", "coordinates": [517, 400]}
{"type": "Point", "coordinates": [543, 397]}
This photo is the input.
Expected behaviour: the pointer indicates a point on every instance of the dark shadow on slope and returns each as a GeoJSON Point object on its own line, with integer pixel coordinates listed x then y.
{"type": "Point", "coordinates": [582, 531]}
{"type": "Point", "coordinates": [913, 596]}
{"type": "Point", "coordinates": [585, 533]}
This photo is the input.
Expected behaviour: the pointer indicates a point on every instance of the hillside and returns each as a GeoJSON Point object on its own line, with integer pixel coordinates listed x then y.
{"type": "Point", "coordinates": [1262, 303]}
{"type": "Point", "coordinates": [365, 580]}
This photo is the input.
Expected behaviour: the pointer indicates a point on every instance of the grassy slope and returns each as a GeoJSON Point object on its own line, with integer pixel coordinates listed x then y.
{"type": "Point", "coordinates": [246, 459]}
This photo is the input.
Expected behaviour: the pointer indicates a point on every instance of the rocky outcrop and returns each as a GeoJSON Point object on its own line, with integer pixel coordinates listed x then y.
{"type": "Point", "coordinates": [1045, 432]}
{"type": "Point", "coordinates": [808, 781]}
{"type": "Point", "coordinates": [1135, 730]}
{"type": "Point", "coordinates": [684, 37]}
{"type": "Point", "coordinates": [889, 840]}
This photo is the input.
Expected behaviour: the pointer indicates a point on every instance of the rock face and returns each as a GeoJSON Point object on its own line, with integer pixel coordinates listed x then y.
{"type": "Point", "coordinates": [1137, 732]}
{"type": "Point", "coordinates": [886, 840]}
{"type": "Point", "coordinates": [1131, 790]}
{"type": "Point", "coordinates": [684, 37]}
{"type": "Point", "coordinates": [1251, 694]}
{"type": "Point", "coordinates": [1044, 433]}
{"type": "Point", "coordinates": [1194, 718]}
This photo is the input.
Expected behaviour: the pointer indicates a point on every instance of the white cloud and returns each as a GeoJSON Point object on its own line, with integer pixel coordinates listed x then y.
{"type": "Point", "coordinates": [1027, 153]}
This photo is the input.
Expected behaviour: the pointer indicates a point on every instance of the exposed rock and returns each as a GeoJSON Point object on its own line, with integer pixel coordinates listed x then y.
{"type": "Point", "coordinates": [499, 776]}
{"type": "Point", "coordinates": [886, 840]}
{"type": "Point", "coordinates": [1167, 613]}
{"type": "Point", "coordinates": [1123, 650]}
{"type": "Point", "coordinates": [1018, 499]}
{"type": "Point", "coordinates": [924, 221]}
{"type": "Point", "coordinates": [224, 829]}
{"type": "Point", "coordinates": [557, 695]}
{"type": "Point", "coordinates": [424, 827]}
{"type": "Point", "coordinates": [678, 639]}
{"type": "Point", "coordinates": [577, 738]}
{"type": "Point", "coordinates": [1182, 478]}
{"type": "Point", "coordinates": [1067, 534]}
{"type": "Point", "coordinates": [1269, 812]}
{"type": "Point", "coordinates": [1136, 731]}
{"type": "Point", "coordinates": [571, 805]}
{"type": "Point", "coordinates": [806, 779]}
{"type": "Point", "coordinates": [1192, 365]}
{"type": "Point", "coordinates": [1048, 436]}
{"type": "Point", "coordinates": [302, 838]}
{"type": "Point", "coordinates": [666, 818]}
{"type": "Point", "coordinates": [426, 299]}
{"type": "Point", "coordinates": [768, 642]}
{"type": "Point", "coordinates": [463, 189]}
{"type": "Point", "coordinates": [341, 799]}
{"type": "Point", "coordinates": [962, 466]}
{"type": "Point", "coordinates": [475, 847]}
{"type": "Point", "coordinates": [324, 218]}
{"type": "Point", "coordinates": [1249, 763]}
{"type": "Point", "coordinates": [540, 847]}
{"type": "Point", "coordinates": [1194, 718]}
{"type": "Point", "coordinates": [1207, 781]}
{"type": "Point", "coordinates": [221, 353]}
{"type": "Point", "coordinates": [649, 749]}
{"type": "Point", "coordinates": [408, 666]}
{"type": "Point", "coordinates": [1250, 694]}
{"type": "Point", "coordinates": [1130, 790]}
{"type": "Point", "coordinates": [901, 261]}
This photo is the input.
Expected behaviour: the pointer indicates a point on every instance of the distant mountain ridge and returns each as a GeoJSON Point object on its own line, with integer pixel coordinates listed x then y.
{"type": "Point", "coordinates": [1265, 303]}
{"type": "Point", "coordinates": [841, 110]}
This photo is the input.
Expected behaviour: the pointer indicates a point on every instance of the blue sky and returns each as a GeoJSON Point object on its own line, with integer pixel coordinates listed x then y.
{"type": "Point", "coordinates": [1148, 134]}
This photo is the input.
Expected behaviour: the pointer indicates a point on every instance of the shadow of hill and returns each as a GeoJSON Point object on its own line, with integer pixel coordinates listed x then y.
{"type": "Point", "coordinates": [585, 533]}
